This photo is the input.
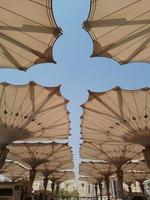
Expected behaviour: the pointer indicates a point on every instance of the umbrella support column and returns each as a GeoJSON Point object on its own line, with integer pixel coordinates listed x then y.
{"type": "Point", "coordinates": [96, 192]}
{"type": "Point", "coordinates": [107, 187]}
{"type": "Point", "coordinates": [130, 192]}
{"type": "Point", "coordinates": [45, 182]}
{"type": "Point", "coordinates": [119, 173]}
{"type": "Point", "coordinates": [3, 155]}
{"type": "Point", "coordinates": [52, 188]}
{"type": "Point", "coordinates": [100, 189]}
{"type": "Point", "coordinates": [142, 188]}
{"type": "Point", "coordinates": [31, 178]}
{"type": "Point", "coordinates": [57, 190]}
{"type": "Point", "coordinates": [146, 153]}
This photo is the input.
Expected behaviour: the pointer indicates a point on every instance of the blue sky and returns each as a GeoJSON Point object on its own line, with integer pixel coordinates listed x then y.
{"type": "Point", "coordinates": [75, 70]}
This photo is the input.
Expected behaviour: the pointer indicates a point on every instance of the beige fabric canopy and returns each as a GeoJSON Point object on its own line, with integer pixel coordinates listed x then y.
{"type": "Point", "coordinates": [91, 176]}
{"type": "Point", "coordinates": [128, 178]}
{"type": "Point", "coordinates": [89, 179]}
{"type": "Point", "coordinates": [61, 176]}
{"type": "Point", "coordinates": [14, 171]}
{"type": "Point", "coordinates": [140, 166]}
{"type": "Point", "coordinates": [139, 176]}
{"type": "Point", "coordinates": [34, 154]}
{"type": "Point", "coordinates": [112, 153]}
{"type": "Point", "coordinates": [117, 115]}
{"type": "Point", "coordinates": [27, 33]}
{"type": "Point", "coordinates": [32, 111]}
{"type": "Point", "coordinates": [118, 155]}
{"type": "Point", "coordinates": [96, 170]}
{"type": "Point", "coordinates": [47, 168]}
{"type": "Point", "coordinates": [120, 29]}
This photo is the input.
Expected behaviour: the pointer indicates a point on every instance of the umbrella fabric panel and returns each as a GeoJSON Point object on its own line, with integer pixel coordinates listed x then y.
{"type": "Point", "coordinates": [117, 115]}
{"type": "Point", "coordinates": [35, 154]}
{"type": "Point", "coordinates": [56, 165]}
{"type": "Point", "coordinates": [32, 111]}
{"type": "Point", "coordinates": [61, 175]}
{"type": "Point", "coordinates": [120, 29]}
{"type": "Point", "coordinates": [14, 171]}
{"type": "Point", "coordinates": [116, 154]}
{"type": "Point", "coordinates": [28, 32]}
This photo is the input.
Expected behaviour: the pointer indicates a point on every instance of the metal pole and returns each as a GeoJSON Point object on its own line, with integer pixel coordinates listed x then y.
{"type": "Point", "coordinates": [142, 188]}
{"type": "Point", "coordinates": [3, 155]}
{"type": "Point", "coordinates": [96, 193]}
{"type": "Point", "coordinates": [45, 182]}
{"type": "Point", "coordinates": [57, 189]}
{"type": "Point", "coordinates": [52, 188]}
{"type": "Point", "coordinates": [31, 178]}
{"type": "Point", "coordinates": [119, 173]}
{"type": "Point", "coordinates": [146, 153]}
{"type": "Point", "coordinates": [107, 186]}
{"type": "Point", "coordinates": [130, 192]}
{"type": "Point", "coordinates": [100, 189]}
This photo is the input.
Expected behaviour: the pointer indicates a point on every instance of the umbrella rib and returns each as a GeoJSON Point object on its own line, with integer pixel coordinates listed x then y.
{"type": "Point", "coordinates": [137, 109]}
{"type": "Point", "coordinates": [14, 101]}
{"type": "Point", "coordinates": [130, 36]}
{"type": "Point", "coordinates": [16, 54]}
{"type": "Point", "coordinates": [104, 133]}
{"type": "Point", "coordinates": [107, 106]}
{"type": "Point", "coordinates": [120, 9]}
{"type": "Point", "coordinates": [21, 45]}
{"type": "Point", "coordinates": [118, 106]}
{"type": "Point", "coordinates": [54, 123]}
{"type": "Point", "coordinates": [28, 106]}
{"type": "Point", "coordinates": [17, 29]}
{"type": "Point", "coordinates": [129, 111]}
{"type": "Point", "coordinates": [101, 113]}
{"type": "Point", "coordinates": [127, 22]}
{"type": "Point", "coordinates": [32, 113]}
{"type": "Point", "coordinates": [23, 17]}
{"type": "Point", "coordinates": [113, 111]}
{"type": "Point", "coordinates": [132, 45]}
{"type": "Point", "coordinates": [20, 107]}
{"type": "Point", "coordinates": [10, 57]}
{"type": "Point", "coordinates": [53, 107]}
{"type": "Point", "coordinates": [146, 109]}
{"type": "Point", "coordinates": [147, 106]}
{"type": "Point", "coordinates": [40, 4]}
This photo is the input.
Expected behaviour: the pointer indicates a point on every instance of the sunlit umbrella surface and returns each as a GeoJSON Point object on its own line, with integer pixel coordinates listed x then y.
{"type": "Point", "coordinates": [118, 155]}
{"type": "Point", "coordinates": [27, 33]}
{"type": "Point", "coordinates": [47, 169]}
{"type": "Point", "coordinates": [98, 171]}
{"type": "Point", "coordinates": [120, 29]}
{"type": "Point", "coordinates": [33, 155]}
{"type": "Point", "coordinates": [119, 116]}
{"type": "Point", "coordinates": [14, 171]}
{"type": "Point", "coordinates": [31, 112]}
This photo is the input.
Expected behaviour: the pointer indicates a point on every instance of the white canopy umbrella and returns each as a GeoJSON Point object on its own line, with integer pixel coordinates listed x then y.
{"type": "Point", "coordinates": [14, 171]}
{"type": "Point", "coordinates": [28, 33]}
{"type": "Point", "coordinates": [118, 116]}
{"type": "Point", "coordinates": [31, 112]}
{"type": "Point", "coordinates": [117, 155]}
{"type": "Point", "coordinates": [46, 169]}
{"type": "Point", "coordinates": [33, 155]}
{"type": "Point", "coordinates": [98, 171]}
{"type": "Point", "coordinates": [120, 29]}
